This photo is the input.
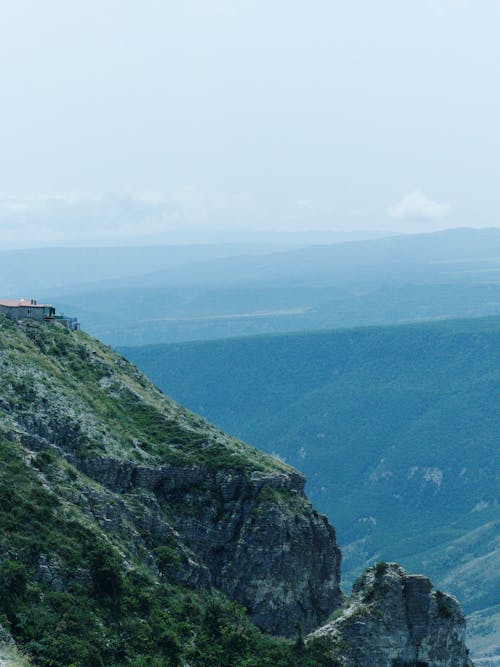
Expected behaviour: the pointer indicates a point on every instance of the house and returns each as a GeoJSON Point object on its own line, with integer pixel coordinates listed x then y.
{"type": "Point", "coordinates": [17, 309]}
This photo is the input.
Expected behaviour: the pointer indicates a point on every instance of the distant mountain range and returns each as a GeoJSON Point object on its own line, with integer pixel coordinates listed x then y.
{"type": "Point", "coordinates": [138, 296]}
{"type": "Point", "coordinates": [75, 269]}
{"type": "Point", "coordinates": [397, 429]}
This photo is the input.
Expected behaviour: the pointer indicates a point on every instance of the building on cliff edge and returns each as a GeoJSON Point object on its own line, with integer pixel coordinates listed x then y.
{"type": "Point", "coordinates": [17, 309]}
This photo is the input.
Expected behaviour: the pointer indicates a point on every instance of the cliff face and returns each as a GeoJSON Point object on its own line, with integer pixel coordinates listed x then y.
{"type": "Point", "coordinates": [265, 547]}
{"type": "Point", "coordinates": [253, 535]}
{"type": "Point", "coordinates": [394, 619]}
{"type": "Point", "coordinates": [237, 520]}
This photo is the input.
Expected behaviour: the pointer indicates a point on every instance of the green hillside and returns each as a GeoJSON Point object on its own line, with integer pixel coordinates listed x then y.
{"type": "Point", "coordinates": [397, 429]}
{"type": "Point", "coordinates": [110, 495]}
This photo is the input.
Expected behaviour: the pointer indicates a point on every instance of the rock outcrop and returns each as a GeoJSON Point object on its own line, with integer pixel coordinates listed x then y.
{"type": "Point", "coordinates": [254, 532]}
{"type": "Point", "coordinates": [5, 636]}
{"type": "Point", "coordinates": [395, 619]}
{"type": "Point", "coordinates": [265, 547]}
{"type": "Point", "coordinates": [9, 656]}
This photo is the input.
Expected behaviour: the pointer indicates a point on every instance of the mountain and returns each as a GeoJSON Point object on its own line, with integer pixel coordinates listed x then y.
{"type": "Point", "coordinates": [395, 427]}
{"type": "Point", "coordinates": [452, 255]}
{"type": "Point", "coordinates": [453, 273]}
{"type": "Point", "coordinates": [132, 532]}
{"type": "Point", "coordinates": [59, 269]}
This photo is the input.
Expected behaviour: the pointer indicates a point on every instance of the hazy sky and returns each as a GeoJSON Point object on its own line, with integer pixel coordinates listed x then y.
{"type": "Point", "coordinates": [126, 119]}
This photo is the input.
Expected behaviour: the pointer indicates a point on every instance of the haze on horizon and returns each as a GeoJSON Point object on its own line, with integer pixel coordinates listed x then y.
{"type": "Point", "coordinates": [161, 121]}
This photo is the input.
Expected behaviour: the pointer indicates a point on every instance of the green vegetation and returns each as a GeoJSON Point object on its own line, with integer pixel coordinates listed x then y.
{"type": "Point", "coordinates": [116, 409]}
{"type": "Point", "coordinates": [109, 610]}
{"type": "Point", "coordinates": [443, 605]}
{"type": "Point", "coordinates": [380, 569]}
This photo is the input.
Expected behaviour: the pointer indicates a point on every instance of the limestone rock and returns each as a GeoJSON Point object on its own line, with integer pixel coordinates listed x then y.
{"type": "Point", "coordinates": [266, 548]}
{"type": "Point", "coordinates": [254, 535]}
{"type": "Point", "coordinates": [394, 619]}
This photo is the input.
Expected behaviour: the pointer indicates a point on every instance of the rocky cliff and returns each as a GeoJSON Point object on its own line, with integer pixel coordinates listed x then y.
{"type": "Point", "coordinates": [395, 619]}
{"type": "Point", "coordinates": [251, 534]}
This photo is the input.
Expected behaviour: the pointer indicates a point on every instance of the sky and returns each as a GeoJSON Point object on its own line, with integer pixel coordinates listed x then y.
{"type": "Point", "coordinates": [127, 121]}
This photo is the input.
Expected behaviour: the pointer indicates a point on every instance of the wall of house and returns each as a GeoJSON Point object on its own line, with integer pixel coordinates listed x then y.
{"type": "Point", "coordinates": [20, 312]}
{"type": "Point", "coordinates": [11, 313]}
{"type": "Point", "coordinates": [32, 312]}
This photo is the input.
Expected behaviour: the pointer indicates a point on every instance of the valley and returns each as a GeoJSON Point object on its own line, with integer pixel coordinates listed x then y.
{"type": "Point", "coordinates": [395, 427]}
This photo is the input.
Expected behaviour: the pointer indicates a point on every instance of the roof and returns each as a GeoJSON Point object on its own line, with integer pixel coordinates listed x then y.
{"type": "Point", "coordinates": [27, 303]}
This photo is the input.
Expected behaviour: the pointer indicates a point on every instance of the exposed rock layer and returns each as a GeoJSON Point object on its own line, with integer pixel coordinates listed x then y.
{"type": "Point", "coordinates": [394, 619]}
{"type": "Point", "coordinates": [255, 533]}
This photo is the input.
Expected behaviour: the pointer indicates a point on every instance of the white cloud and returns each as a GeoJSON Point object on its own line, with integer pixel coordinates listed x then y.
{"type": "Point", "coordinates": [446, 7]}
{"type": "Point", "coordinates": [75, 218]}
{"type": "Point", "coordinates": [142, 217]}
{"type": "Point", "coordinates": [417, 206]}
{"type": "Point", "coordinates": [150, 217]}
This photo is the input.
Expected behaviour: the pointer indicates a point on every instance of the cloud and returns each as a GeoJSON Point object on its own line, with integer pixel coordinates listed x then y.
{"type": "Point", "coordinates": [417, 206]}
{"type": "Point", "coordinates": [142, 217]}
{"type": "Point", "coordinates": [444, 7]}
{"type": "Point", "coordinates": [75, 218]}
{"type": "Point", "coordinates": [150, 217]}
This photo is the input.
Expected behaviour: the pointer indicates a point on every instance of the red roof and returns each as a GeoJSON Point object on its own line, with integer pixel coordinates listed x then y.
{"type": "Point", "coordinates": [27, 303]}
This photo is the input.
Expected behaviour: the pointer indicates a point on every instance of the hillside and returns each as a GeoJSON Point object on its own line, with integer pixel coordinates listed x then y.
{"type": "Point", "coordinates": [395, 427]}
{"type": "Point", "coordinates": [129, 528]}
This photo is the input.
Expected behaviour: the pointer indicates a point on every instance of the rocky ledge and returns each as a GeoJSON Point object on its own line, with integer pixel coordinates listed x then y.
{"type": "Point", "coordinates": [395, 619]}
